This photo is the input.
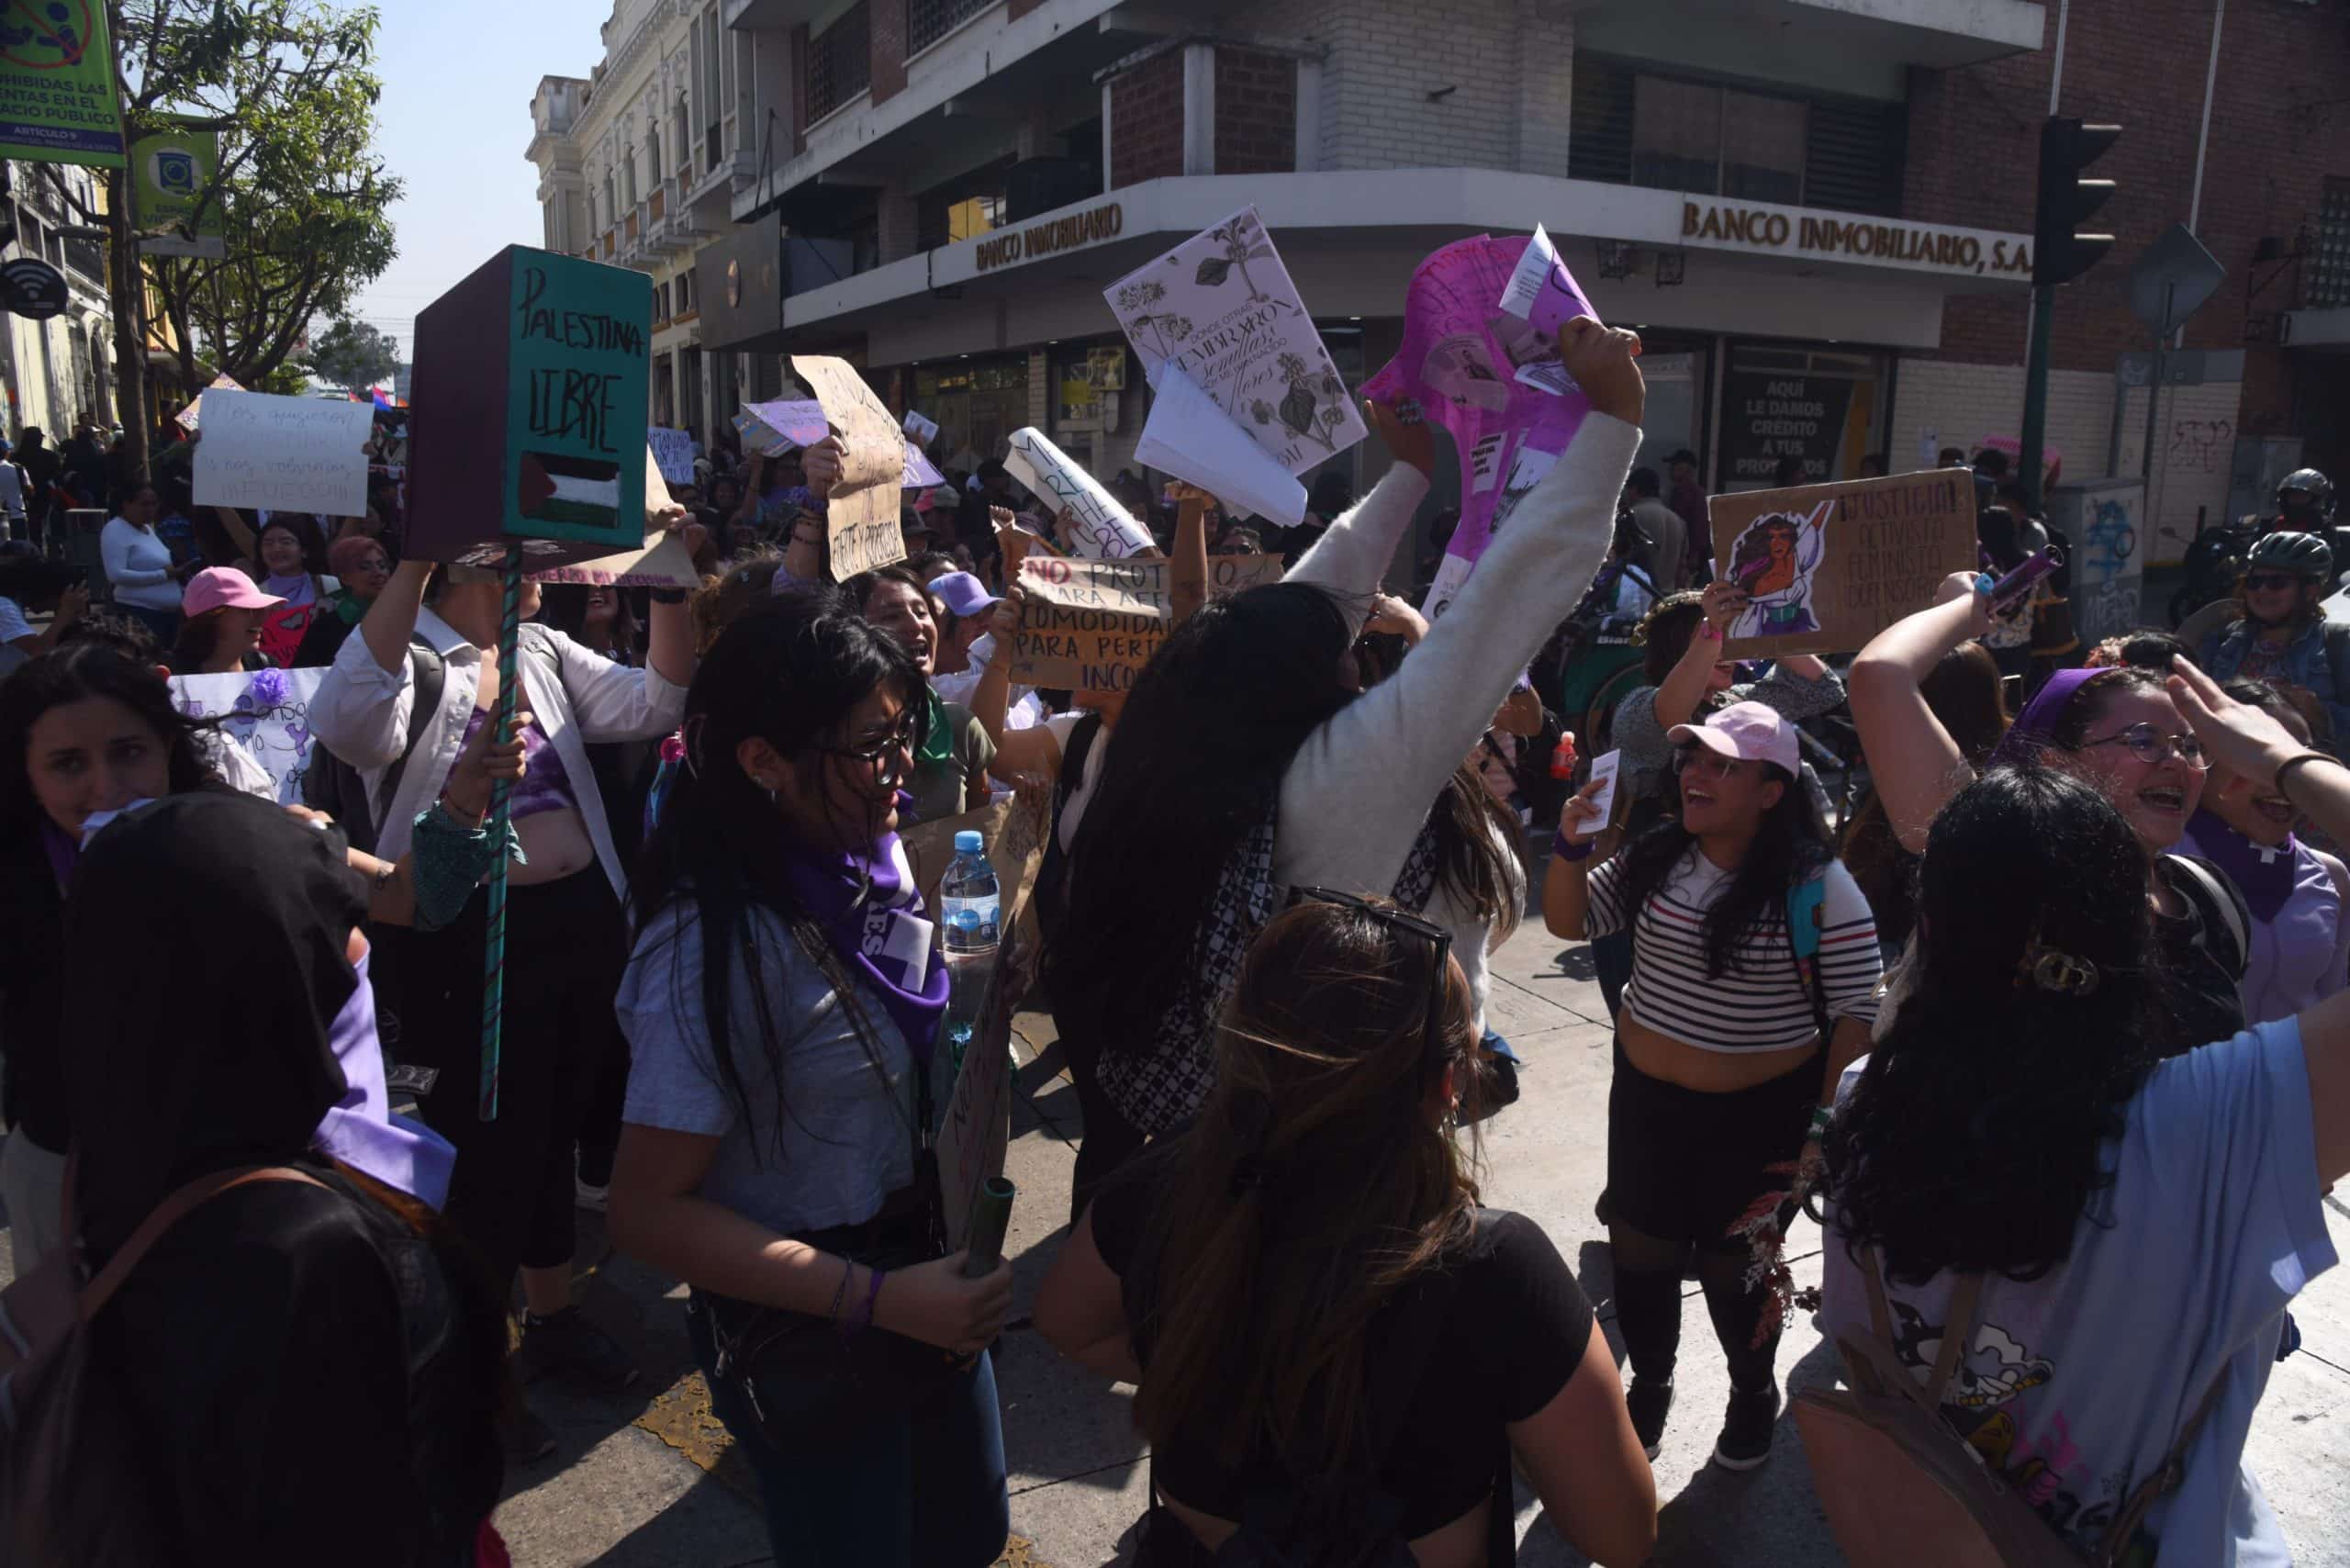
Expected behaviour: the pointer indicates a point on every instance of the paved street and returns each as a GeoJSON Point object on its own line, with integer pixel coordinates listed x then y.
{"type": "Point", "coordinates": [647, 1481]}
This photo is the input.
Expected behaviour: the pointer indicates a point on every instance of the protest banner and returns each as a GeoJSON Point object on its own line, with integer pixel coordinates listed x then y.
{"type": "Point", "coordinates": [1478, 366]}
{"type": "Point", "coordinates": [533, 377]}
{"type": "Point", "coordinates": [1221, 309]}
{"type": "Point", "coordinates": [920, 473]}
{"type": "Point", "coordinates": [1092, 625]}
{"type": "Point", "coordinates": [1826, 567]}
{"type": "Point", "coordinates": [861, 514]}
{"type": "Point", "coordinates": [673, 453]}
{"type": "Point", "coordinates": [57, 83]}
{"type": "Point", "coordinates": [170, 174]}
{"type": "Point", "coordinates": [1104, 530]}
{"type": "Point", "coordinates": [975, 1126]}
{"type": "Point", "coordinates": [1188, 436]}
{"type": "Point", "coordinates": [266, 714]}
{"type": "Point", "coordinates": [921, 431]}
{"type": "Point", "coordinates": [190, 417]}
{"type": "Point", "coordinates": [284, 454]}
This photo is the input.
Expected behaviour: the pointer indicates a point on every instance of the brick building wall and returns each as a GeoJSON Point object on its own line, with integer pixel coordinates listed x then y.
{"type": "Point", "coordinates": [1255, 112]}
{"type": "Point", "coordinates": [1401, 88]}
{"type": "Point", "coordinates": [887, 28]}
{"type": "Point", "coordinates": [1146, 121]}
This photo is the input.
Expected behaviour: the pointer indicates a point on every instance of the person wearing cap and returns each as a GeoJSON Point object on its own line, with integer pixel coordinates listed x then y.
{"type": "Point", "coordinates": [1753, 985]}
{"type": "Point", "coordinates": [222, 612]}
{"type": "Point", "coordinates": [967, 609]}
{"type": "Point", "coordinates": [2279, 631]}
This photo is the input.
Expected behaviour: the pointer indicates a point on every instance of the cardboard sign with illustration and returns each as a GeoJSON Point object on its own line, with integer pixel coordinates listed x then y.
{"type": "Point", "coordinates": [1826, 567]}
{"type": "Point", "coordinates": [532, 376]}
{"type": "Point", "coordinates": [861, 515]}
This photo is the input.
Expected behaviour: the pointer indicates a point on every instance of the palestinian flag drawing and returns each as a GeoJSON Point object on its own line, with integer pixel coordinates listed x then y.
{"type": "Point", "coordinates": [578, 492]}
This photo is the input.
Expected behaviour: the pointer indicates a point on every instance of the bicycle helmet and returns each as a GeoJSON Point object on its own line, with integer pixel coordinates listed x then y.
{"type": "Point", "coordinates": [2319, 488]}
{"type": "Point", "coordinates": [2302, 554]}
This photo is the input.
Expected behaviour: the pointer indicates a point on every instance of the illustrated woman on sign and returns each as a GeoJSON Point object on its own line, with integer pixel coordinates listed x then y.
{"type": "Point", "coordinates": [1773, 562]}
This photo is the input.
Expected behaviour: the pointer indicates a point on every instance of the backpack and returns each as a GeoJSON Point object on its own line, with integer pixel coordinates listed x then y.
{"type": "Point", "coordinates": [1902, 1489]}
{"type": "Point", "coordinates": [56, 1458]}
{"type": "Point", "coordinates": [333, 786]}
{"type": "Point", "coordinates": [2220, 904]}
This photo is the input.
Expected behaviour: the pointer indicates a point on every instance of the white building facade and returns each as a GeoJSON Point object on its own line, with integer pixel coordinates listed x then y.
{"type": "Point", "coordinates": [55, 371]}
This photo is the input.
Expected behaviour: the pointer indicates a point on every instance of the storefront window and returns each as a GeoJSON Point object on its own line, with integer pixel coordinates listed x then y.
{"type": "Point", "coordinates": [1821, 406]}
{"type": "Point", "coordinates": [978, 404]}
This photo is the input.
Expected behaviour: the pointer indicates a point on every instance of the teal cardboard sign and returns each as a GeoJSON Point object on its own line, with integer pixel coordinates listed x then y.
{"type": "Point", "coordinates": [579, 373]}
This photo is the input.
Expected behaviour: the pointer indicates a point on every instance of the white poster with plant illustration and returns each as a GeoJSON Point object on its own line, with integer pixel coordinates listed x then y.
{"type": "Point", "coordinates": [1221, 308]}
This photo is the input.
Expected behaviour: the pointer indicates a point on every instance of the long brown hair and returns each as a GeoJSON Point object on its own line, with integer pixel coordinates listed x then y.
{"type": "Point", "coordinates": [1313, 1185]}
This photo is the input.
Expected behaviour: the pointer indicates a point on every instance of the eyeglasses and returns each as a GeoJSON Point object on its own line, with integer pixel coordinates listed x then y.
{"type": "Point", "coordinates": [2262, 582]}
{"type": "Point", "coordinates": [2151, 746]}
{"type": "Point", "coordinates": [882, 752]}
{"type": "Point", "coordinates": [1432, 1051]}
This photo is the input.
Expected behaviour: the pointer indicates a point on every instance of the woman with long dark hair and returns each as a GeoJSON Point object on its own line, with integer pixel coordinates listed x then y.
{"type": "Point", "coordinates": [1246, 762]}
{"type": "Point", "coordinates": [2118, 729]}
{"type": "Point", "coordinates": [1755, 971]}
{"type": "Point", "coordinates": [950, 775]}
{"type": "Point", "coordinates": [1319, 1313]}
{"type": "Point", "coordinates": [781, 1004]}
{"type": "Point", "coordinates": [292, 556]}
{"type": "Point", "coordinates": [2027, 1161]}
{"type": "Point", "coordinates": [283, 1336]}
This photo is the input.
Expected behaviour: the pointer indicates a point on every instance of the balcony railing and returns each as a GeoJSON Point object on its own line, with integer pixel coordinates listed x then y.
{"type": "Point", "coordinates": [840, 62]}
{"type": "Point", "coordinates": [927, 21]}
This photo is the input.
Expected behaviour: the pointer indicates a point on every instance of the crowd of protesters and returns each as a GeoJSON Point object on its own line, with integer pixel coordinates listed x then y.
{"type": "Point", "coordinates": [2069, 966]}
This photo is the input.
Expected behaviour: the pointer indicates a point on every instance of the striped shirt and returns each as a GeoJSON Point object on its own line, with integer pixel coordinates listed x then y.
{"type": "Point", "coordinates": [1761, 1002]}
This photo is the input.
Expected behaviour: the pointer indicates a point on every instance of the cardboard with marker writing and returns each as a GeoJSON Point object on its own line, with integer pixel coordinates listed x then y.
{"type": "Point", "coordinates": [1826, 567]}
{"type": "Point", "coordinates": [1092, 625]}
{"type": "Point", "coordinates": [532, 381]}
{"type": "Point", "coordinates": [861, 515]}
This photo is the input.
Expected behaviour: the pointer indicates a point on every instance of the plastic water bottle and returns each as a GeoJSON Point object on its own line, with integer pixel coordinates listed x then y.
{"type": "Point", "coordinates": [971, 909]}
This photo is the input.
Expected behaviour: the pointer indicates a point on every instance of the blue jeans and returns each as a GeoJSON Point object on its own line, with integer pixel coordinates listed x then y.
{"type": "Point", "coordinates": [921, 1487]}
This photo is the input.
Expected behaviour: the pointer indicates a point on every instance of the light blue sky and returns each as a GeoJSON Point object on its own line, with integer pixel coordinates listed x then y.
{"type": "Point", "coordinates": [455, 115]}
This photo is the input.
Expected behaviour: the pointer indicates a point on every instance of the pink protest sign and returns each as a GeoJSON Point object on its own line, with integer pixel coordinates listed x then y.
{"type": "Point", "coordinates": [1481, 368]}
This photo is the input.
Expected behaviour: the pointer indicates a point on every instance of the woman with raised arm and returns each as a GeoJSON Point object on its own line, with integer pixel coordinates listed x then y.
{"type": "Point", "coordinates": [2116, 729]}
{"type": "Point", "coordinates": [1329, 1333]}
{"type": "Point", "coordinates": [1247, 762]}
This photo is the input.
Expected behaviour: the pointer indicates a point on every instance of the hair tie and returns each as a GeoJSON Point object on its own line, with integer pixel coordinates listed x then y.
{"type": "Point", "coordinates": [2060, 974]}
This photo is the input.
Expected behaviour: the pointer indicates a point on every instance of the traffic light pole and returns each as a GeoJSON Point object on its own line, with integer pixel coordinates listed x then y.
{"type": "Point", "coordinates": [2035, 397]}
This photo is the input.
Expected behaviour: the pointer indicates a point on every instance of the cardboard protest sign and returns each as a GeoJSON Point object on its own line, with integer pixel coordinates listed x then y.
{"type": "Point", "coordinates": [658, 558]}
{"type": "Point", "coordinates": [1826, 567]}
{"type": "Point", "coordinates": [1105, 531]}
{"type": "Point", "coordinates": [861, 515]}
{"type": "Point", "coordinates": [1465, 349]}
{"type": "Point", "coordinates": [188, 419]}
{"type": "Point", "coordinates": [1092, 625]}
{"type": "Point", "coordinates": [796, 422]}
{"type": "Point", "coordinates": [673, 453]}
{"type": "Point", "coordinates": [976, 1124]}
{"type": "Point", "coordinates": [1221, 309]}
{"type": "Point", "coordinates": [921, 431]}
{"type": "Point", "coordinates": [1188, 436]}
{"type": "Point", "coordinates": [532, 380]}
{"type": "Point", "coordinates": [286, 454]}
{"type": "Point", "coordinates": [921, 474]}
{"type": "Point", "coordinates": [266, 714]}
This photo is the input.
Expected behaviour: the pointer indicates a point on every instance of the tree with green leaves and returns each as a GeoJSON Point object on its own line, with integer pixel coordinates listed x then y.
{"type": "Point", "coordinates": [299, 195]}
{"type": "Point", "coordinates": [352, 355]}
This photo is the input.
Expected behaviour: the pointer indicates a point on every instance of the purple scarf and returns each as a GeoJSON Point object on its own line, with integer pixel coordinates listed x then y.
{"type": "Point", "coordinates": [2265, 877]}
{"type": "Point", "coordinates": [2035, 729]}
{"type": "Point", "coordinates": [360, 1130]}
{"type": "Point", "coordinates": [885, 935]}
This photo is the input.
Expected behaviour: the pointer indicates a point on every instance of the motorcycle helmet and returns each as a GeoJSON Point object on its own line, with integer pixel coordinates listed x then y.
{"type": "Point", "coordinates": [2304, 555]}
{"type": "Point", "coordinates": [2316, 486]}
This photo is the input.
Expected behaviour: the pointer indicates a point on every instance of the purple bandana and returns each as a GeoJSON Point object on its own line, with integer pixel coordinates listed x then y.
{"type": "Point", "coordinates": [2266, 877]}
{"type": "Point", "coordinates": [360, 1130]}
{"type": "Point", "coordinates": [2035, 729]}
{"type": "Point", "coordinates": [885, 935]}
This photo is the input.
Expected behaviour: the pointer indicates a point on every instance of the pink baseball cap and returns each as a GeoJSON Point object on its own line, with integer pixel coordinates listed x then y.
{"type": "Point", "coordinates": [223, 588]}
{"type": "Point", "coordinates": [1745, 732]}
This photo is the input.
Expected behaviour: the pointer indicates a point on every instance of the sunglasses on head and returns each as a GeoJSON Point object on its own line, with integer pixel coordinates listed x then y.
{"type": "Point", "coordinates": [1432, 1051]}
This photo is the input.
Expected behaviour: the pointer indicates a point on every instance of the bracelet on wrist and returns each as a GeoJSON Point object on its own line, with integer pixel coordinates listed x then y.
{"type": "Point", "coordinates": [1567, 849]}
{"type": "Point", "coordinates": [872, 1300]}
{"type": "Point", "coordinates": [840, 1292]}
{"type": "Point", "coordinates": [2285, 768]}
{"type": "Point", "coordinates": [1820, 1116]}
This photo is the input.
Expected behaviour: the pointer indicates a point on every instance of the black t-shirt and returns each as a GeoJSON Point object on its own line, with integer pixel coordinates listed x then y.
{"type": "Point", "coordinates": [1510, 1336]}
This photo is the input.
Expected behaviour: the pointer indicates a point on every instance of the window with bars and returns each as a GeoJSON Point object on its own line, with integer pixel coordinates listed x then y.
{"type": "Point", "coordinates": [840, 62]}
{"type": "Point", "coordinates": [1635, 126]}
{"type": "Point", "coordinates": [927, 21]}
{"type": "Point", "coordinates": [2329, 267]}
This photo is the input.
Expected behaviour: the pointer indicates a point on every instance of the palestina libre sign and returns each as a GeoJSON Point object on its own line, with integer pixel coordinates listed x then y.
{"type": "Point", "coordinates": [57, 87]}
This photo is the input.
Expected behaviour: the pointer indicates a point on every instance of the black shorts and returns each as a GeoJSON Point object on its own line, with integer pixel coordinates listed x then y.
{"type": "Point", "coordinates": [1682, 1165]}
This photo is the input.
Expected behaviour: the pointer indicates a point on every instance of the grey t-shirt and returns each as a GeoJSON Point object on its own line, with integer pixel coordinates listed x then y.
{"type": "Point", "coordinates": [2076, 1383]}
{"type": "Point", "coordinates": [831, 1145]}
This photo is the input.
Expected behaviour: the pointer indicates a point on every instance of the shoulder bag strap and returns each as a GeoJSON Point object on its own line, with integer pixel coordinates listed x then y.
{"type": "Point", "coordinates": [430, 674]}
{"type": "Point", "coordinates": [167, 1214]}
{"type": "Point", "coordinates": [2164, 1480]}
{"type": "Point", "coordinates": [1959, 1322]}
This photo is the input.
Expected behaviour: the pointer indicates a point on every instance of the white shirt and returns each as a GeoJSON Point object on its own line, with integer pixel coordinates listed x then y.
{"type": "Point", "coordinates": [1023, 709]}
{"type": "Point", "coordinates": [137, 564]}
{"type": "Point", "coordinates": [363, 711]}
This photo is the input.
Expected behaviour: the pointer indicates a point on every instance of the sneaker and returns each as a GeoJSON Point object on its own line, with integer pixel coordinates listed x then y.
{"type": "Point", "coordinates": [590, 1197]}
{"type": "Point", "coordinates": [523, 1435]}
{"type": "Point", "coordinates": [1745, 1441]}
{"type": "Point", "coordinates": [569, 1347]}
{"type": "Point", "coordinates": [1652, 1400]}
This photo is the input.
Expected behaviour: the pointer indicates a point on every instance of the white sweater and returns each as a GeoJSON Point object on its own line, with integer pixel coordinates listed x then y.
{"type": "Point", "coordinates": [137, 566]}
{"type": "Point", "coordinates": [1358, 791]}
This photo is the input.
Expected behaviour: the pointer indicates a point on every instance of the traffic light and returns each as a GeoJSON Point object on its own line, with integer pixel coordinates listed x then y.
{"type": "Point", "coordinates": [2066, 147]}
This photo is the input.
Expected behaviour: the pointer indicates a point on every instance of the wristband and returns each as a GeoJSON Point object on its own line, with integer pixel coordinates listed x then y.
{"type": "Point", "coordinates": [668, 596]}
{"type": "Point", "coordinates": [872, 1299]}
{"type": "Point", "coordinates": [1820, 1116]}
{"type": "Point", "coordinates": [2290, 763]}
{"type": "Point", "coordinates": [839, 1290]}
{"type": "Point", "coordinates": [1565, 848]}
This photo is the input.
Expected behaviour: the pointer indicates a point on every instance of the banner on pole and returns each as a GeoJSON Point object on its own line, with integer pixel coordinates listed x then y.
{"type": "Point", "coordinates": [170, 172]}
{"type": "Point", "coordinates": [57, 87]}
